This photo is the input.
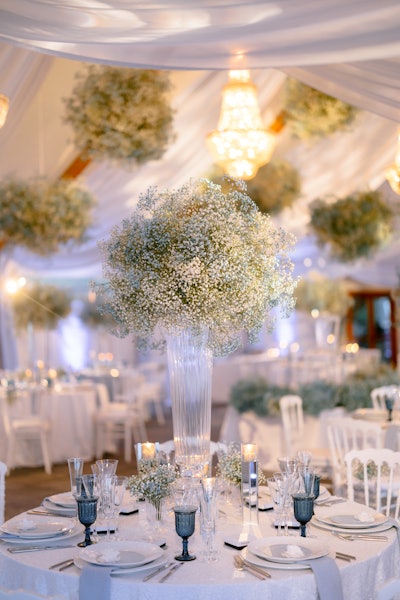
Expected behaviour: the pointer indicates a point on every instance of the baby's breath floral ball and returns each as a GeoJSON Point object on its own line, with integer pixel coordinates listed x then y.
{"type": "Point", "coordinates": [196, 257]}
{"type": "Point", "coordinates": [40, 305]}
{"type": "Point", "coordinates": [121, 114]}
{"type": "Point", "coordinates": [43, 215]}
{"type": "Point", "coordinates": [312, 113]}
{"type": "Point", "coordinates": [355, 226]}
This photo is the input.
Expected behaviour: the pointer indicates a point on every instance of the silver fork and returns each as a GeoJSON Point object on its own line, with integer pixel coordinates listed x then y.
{"type": "Point", "coordinates": [241, 565]}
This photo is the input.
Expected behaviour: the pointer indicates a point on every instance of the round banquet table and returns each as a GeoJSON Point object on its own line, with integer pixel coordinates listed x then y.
{"type": "Point", "coordinates": [199, 580]}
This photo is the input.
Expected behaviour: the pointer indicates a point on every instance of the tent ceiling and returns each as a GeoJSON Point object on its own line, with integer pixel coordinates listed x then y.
{"type": "Point", "coordinates": [351, 50]}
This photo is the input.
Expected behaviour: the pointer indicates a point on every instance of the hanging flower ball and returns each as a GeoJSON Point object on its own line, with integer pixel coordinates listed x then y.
{"type": "Point", "coordinates": [121, 114]}
{"type": "Point", "coordinates": [41, 215]}
{"type": "Point", "coordinates": [311, 113]}
{"type": "Point", "coordinates": [41, 305]}
{"type": "Point", "coordinates": [353, 227]}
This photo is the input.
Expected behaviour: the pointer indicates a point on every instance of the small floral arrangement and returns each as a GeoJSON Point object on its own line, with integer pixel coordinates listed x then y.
{"type": "Point", "coordinates": [40, 305]}
{"type": "Point", "coordinates": [312, 113]}
{"type": "Point", "coordinates": [355, 226]}
{"type": "Point", "coordinates": [92, 315]}
{"type": "Point", "coordinates": [42, 215]}
{"type": "Point", "coordinates": [196, 258]}
{"type": "Point", "coordinates": [153, 483]}
{"type": "Point", "coordinates": [324, 294]}
{"type": "Point", "coordinates": [229, 467]}
{"type": "Point", "coordinates": [121, 114]}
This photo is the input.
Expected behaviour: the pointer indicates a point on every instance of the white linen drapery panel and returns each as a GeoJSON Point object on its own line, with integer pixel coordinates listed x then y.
{"type": "Point", "coordinates": [355, 42]}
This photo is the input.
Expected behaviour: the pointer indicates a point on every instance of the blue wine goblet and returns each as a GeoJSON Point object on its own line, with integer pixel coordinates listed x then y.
{"type": "Point", "coordinates": [389, 403]}
{"type": "Point", "coordinates": [87, 514]}
{"type": "Point", "coordinates": [184, 526]}
{"type": "Point", "coordinates": [303, 506]}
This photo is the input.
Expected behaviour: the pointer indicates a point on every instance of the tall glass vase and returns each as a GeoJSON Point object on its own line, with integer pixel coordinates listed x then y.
{"type": "Point", "coordinates": [190, 374]}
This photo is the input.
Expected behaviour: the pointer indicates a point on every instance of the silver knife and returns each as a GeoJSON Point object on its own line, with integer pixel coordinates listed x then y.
{"type": "Point", "coordinates": [35, 548]}
{"type": "Point", "coordinates": [154, 573]}
{"type": "Point", "coordinates": [172, 569]}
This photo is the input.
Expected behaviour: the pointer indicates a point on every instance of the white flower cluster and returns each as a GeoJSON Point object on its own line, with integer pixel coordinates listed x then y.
{"type": "Point", "coordinates": [42, 215]}
{"type": "Point", "coordinates": [196, 257]}
{"type": "Point", "coordinates": [229, 466]}
{"type": "Point", "coordinates": [121, 114]}
{"type": "Point", "coordinates": [153, 483]}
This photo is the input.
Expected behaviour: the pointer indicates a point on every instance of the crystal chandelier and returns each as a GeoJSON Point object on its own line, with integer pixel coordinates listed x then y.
{"type": "Point", "coordinates": [4, 103]}
{"type": "Point", "coordinates": [240, 145]}
{"type": "Point", "coordinates": [392, 173]}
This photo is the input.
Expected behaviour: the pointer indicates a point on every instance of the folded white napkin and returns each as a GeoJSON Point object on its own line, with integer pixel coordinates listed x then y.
{"type": "Point", "coordinates": [95, 583]}
{"type": "Point", "coordinates": [327, 576]}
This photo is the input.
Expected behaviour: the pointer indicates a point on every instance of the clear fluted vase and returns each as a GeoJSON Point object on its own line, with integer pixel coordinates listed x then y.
{"type": "Point", "coordinates": [190, 373]}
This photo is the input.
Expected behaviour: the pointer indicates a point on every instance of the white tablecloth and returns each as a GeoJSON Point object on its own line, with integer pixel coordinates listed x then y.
{"type": "Point", "coordinates": [70, 410]}
{"type": "Point", "coordinates": [198, 580]}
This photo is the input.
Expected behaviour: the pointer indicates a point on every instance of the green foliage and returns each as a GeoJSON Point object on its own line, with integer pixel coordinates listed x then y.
{"type": "Point", "coordinates": [353, 227]}
{"type": "Point", "coordinates": [42, 215]}
{"type": "Point", "coordinates": [312, 113]}
{"type": "Point", "coordinates": [121, 114]}
{"type": "Point", "coordinates": [257, 395]}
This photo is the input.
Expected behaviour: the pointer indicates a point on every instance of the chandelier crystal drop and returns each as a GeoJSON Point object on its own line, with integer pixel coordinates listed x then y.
{"type": "Point", "coordinates": [241, 144]}
{"type": "Point", "coordinates": [392, 173]}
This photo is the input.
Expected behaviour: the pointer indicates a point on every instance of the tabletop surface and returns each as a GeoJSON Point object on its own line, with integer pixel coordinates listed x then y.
{"type": "Point", "coordinates": [375, 562]}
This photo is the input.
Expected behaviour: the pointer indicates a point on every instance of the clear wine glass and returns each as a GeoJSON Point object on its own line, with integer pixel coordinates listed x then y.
{"type": "Point", "coordinates": [208, 496]}
{"type": "Point", "coordinates": [303, 506]}
{"type": "Point", "coordinates": [184, 526]}
{"type": "Point", "coordinates": [306, 477]}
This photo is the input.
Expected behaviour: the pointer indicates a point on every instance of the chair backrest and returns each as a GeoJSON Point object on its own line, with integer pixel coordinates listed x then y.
{"type": "Point", "coordinates": [375, 472]}
{"type": "Point", "coordinates": [5, 415]}
{"type": "Point", "coordinates": [103, 396]}
{"type": "Point", "coordinates": [389, 589]}
{"type": "Point", "coordinates": [291, 408]}
{"type": "Point", "coordinates": [379, 394]}
{"type": "Point", "coordinates": [345, 434]}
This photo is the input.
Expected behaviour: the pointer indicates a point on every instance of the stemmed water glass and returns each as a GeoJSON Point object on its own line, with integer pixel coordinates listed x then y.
{"type": "Point", "coordinates": [184, 527]}
{"type": "Point", "coordinates": [303, 506]}
{"type": "Point", "coordinates": [208, 514]}
{"type": "Point", "coordinates": [306, 480]}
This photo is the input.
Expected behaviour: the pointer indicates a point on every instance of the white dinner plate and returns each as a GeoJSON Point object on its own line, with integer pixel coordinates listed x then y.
{"type": "Point", "coordinates": [259, 562]}
{"type": "Point", "coordinates": [350, 521]}
{"type": "Point", "coordinates": [347, 530]}
{"type": "Point", "coordinates": [121, 554]}
{"type": "Point", "coordinates": [65, 499]}
{"type": "Point", "coordinates": [158, 562]}
{"type": "Point", "coordinates": [30, 529]}
{"type": "Point", "coordinates": [57, 509]}
{"type": "Point", "coordinates": [17, 539]}
{"type": "Point", "coordinates": [279, 549]}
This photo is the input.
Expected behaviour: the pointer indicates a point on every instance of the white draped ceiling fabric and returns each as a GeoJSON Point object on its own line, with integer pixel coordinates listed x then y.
{"type": "Point", "coordinates": [348, 49]}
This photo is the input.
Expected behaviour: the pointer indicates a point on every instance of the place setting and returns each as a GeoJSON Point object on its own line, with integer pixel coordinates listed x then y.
{"type": "Point", "coordinates": [26, 529]}
{"type": "Point", "coordinates": [352, 519]}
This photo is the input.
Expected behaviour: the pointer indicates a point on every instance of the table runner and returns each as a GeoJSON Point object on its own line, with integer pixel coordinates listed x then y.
{"type": "Point", "coordinates": [327, 576]}
{"type": "Point", "coordinates": [95, 583]}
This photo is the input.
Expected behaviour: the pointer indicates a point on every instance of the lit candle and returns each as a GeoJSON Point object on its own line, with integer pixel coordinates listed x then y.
{"type": "Point", "coordinates": [249, 452]}
{"type": "Point", "coordinates": [148, 450]}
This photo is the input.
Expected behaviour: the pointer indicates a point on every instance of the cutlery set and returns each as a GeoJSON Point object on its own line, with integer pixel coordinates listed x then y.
{"type": "Point", "coordinates": [242, 565]}
{"type": "Point", "coordinates": [360, 536]}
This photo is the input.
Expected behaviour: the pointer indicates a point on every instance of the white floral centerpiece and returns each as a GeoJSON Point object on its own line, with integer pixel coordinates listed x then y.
{"type": "Point", "coordinates": [196, 257]}
{"type": "Point", "coordinates": [199, 266]}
